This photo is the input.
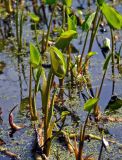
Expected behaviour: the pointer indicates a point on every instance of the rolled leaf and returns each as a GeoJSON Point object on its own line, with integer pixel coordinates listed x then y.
{"type": "Point", "coordinates": [58, 63]}
{"type": "Point", "coordinates": [90, 104]}
{"type": "Point", "coordinates": [35, 58]}
{"type": "Point", "coordinates": [72, 23]}
{"type": "Point", "coordinates": [88, 22]}
{"type": "Point", "coordinates": [105, 66]}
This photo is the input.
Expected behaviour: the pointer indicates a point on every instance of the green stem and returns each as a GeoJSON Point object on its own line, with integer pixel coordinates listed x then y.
{"type": "Point", "coordinates": [30, 92]}
{"type": "Point", "coordinates": [46, 113]}
{"type": "Point", "coordinates": [21, 31]}
{"type": "Point", "coordinates": [47, 98]}
{"type": "Point", "coordinates": [113, 63]}
{"type": "Point", "coordinates": [34, 105]}
{"type": "Point", "coordinates": [82, 139]}
{"type": "Point", "coordinates": [94, 30]}
{"type": "Point", "coordinates": [36, 37]}
{"type": "Point", "coordinates": [63, 19]}
{"type": "Point", "coordinates": [48, 32]}
{"type": "Point", "coordinates": [100, 89]}
{"type": "Point", "coordinates": [17, 27]}
{"type": "Point", "coordinates": [84, 46]}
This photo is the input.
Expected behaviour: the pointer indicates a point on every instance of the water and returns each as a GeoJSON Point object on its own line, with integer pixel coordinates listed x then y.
{"type": "Point", "coordinates": [14, 84]}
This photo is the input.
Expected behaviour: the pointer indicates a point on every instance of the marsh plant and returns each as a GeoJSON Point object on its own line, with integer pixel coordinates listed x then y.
{"type": "Point", "coordinates": [60, 52]}
{"type": "Point", "coordinates": [54, 43]}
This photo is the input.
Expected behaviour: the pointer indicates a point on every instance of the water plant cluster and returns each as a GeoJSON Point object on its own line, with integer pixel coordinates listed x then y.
{"type": "Point", "coordinates": [56, 68]}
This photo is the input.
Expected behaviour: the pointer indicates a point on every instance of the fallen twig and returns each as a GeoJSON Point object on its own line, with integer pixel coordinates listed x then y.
{"type": "Point", "coordinates": [9, 153]}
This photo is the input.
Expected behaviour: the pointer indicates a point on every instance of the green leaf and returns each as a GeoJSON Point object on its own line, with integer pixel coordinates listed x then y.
{"type": "Point", "coordinates": [105, 66]}
{"type": "Point", "coordinates": [88, 22]}
{"type": "Point", "coordinates": [64, 114]}
{"type": "Point", "coordinates": [100, 2]}
{"type": "Point", "coordinates": [90, 54]}
{"type": "Point", "coordinates": [68, 3]}
{"type": "Point", "coordinates": [113, 17]}
{"type": "Point", "coordinates": [43, 90]}
{"type": "Point", "coordinates": [34, 17]}
{"type": "Point", "coordinates": [35, 58]}
{"type": "Point", "coordinates": [72, 23]}
{"type": "Point", "coordinates": [58, 63]}
{"type": "Point", "coordinates": [50, 2]}
{"type": "Point", "coordinates": [65, 38]}
{"type": "Point", "coordinates": [90, 104]}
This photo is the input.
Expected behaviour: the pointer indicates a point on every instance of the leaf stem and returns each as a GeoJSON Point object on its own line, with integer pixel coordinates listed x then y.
{"type": "Point", "coordinates": [49, 28]}
{"type": "Point", "coordinates": [113, 63]}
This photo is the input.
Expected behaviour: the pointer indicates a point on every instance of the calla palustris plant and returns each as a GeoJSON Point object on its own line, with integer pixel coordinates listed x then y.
{"type": "Point", "coordinates": [113, 17]}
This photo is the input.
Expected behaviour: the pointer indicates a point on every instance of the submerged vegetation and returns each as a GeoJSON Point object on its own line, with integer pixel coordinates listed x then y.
{"type": "Point", "coordinates": [62, 103]}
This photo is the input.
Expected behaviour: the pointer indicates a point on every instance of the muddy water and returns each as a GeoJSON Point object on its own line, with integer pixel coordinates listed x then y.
{"type": "Point", "coordinates": [14, 88]}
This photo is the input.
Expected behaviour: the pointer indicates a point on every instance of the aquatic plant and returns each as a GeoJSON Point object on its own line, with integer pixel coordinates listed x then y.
{"type": "Point", "coordinates": [55, 71]}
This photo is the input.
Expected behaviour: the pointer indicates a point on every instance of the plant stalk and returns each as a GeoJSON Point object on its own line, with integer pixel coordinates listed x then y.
{"type": "Point", "coordinates": [82, 139]}
{"type": "Point", "coordinates": [113, 63]}
{"type": "Point", "coordinates": [84, 46]}
{"type": "Point", "coordinates": [49, 28]}
{"type": "Point", "coordinates": [30, 92]}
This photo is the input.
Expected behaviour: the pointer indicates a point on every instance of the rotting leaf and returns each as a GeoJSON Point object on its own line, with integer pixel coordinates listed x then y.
{"type": "Point", "coordinates": [114, 103]}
